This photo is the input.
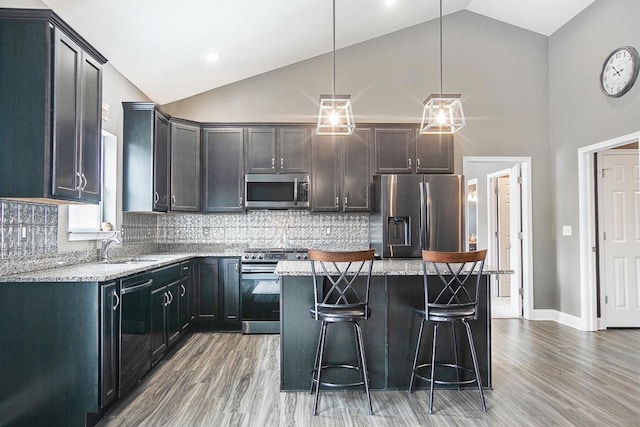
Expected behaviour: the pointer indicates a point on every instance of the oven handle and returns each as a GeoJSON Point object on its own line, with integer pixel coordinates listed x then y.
{"type": "Point", "coordinates": [252, 268]}
{"type": "Point", "coordinates": [137, 287]}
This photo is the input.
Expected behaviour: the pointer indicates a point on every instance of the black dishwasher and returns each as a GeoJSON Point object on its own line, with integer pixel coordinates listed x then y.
{"type": "Point", "coordinates": [135, 338]}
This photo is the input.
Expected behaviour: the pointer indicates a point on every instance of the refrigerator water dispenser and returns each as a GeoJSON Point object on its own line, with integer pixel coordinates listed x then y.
{"type": "Point", "coordinates": [399, 230]}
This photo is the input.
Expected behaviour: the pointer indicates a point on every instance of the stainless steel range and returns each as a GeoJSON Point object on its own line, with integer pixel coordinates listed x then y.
{"type": "Point", "coordinates": [261, 290]}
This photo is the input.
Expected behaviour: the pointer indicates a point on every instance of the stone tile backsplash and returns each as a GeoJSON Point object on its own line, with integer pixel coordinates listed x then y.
{"type": "Point", "coordinates": [27, 229]}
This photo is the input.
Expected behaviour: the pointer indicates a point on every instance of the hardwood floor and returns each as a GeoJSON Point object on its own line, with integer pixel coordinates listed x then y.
{"type": "Point", "coordinates": [544, 374]}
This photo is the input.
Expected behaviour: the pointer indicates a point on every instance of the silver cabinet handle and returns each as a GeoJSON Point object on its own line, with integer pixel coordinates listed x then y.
{"type": "Point", "coordinates": [236, 267]}
{"type": "Point", "coordinates": [184, 290]}
{"type": "Point", "coordinates": [83, 178]}
{"type": "Point", "coordinates": [273, 163]}
{"type": "Point", "coordinates": [232, 316]}
{"type": "Point", "coordinates": [418, 162]}
{"type": "Point", "coordinates": [156, 197]}
{"type": "Point", "coordinates": [115, 306]}
{"type": "Point", "coordinates": [281, 162]}
{"type": "Point", "coordinates": [165, 299]}
{"type": "Point", "coordinates": [79, 175]}
{"type": "Point", "coordinates": [337, 201]}
{"type": "Point", "coordinates": [173, 199]}
{"type": "Point", "coordinates": [346, 199]}
{"type": "Point", "coordinates": [241, 200]}
{"type": "Point", "coordinates": [409, 160]}
{"type": "Point", "coordinates": [170, 297]}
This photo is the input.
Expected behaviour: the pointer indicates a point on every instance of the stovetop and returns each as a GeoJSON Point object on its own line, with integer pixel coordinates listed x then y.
{"type": "Point", "coordinates": [274, 254]}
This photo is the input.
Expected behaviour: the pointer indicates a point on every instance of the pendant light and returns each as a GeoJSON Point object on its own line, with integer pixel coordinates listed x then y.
{"type": "Point", "coordinates": [442, 112]}
{"type": "Point", "coordinates": [335, 116]}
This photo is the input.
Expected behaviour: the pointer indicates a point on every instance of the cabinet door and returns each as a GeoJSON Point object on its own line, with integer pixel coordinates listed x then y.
{"type": "Point", "coordinates": [159, 300]}
{"type": "Point", "coordinates": [91, 130]}
{"type": "Point", "coordinates": [66, 178]}
{"type": "Point", "coordinates": [160, 163]}
{"type": "Point", "coordinates": [394, 150]}
{"type": "Point", "coordinates": [185, 168]}
{"type": "Point", "coordinates": [207, 298]}
{"type": "Point", "coordinates": [357, 177]}
{"type": "Point", "coordinates": [434, 153]}
{"type": "Point", "coordinates": [186, 296]}
{"type": "Point", "coordinates": [173, 313]}
{"type": "Point", "coordinates": [230, 269]}
{"type": "Point", "coordinates": [325, 184]}
{"type": "Point", "coordinates": [261, 150]}
{"type": "Point", "coordinates": [109, 340]}
{"type": "Point", "coordinates": [293, 150]}
{"type": "Point", "coordinates": [223, 172]}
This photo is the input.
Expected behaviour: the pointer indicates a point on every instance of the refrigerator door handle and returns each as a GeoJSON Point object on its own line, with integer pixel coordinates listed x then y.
{"type": "Point", "coordinates": [423, 208]}
{"type": "Point", "coordinates": [427, 216]}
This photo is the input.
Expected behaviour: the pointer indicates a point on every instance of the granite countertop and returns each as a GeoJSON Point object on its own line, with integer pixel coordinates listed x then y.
{"type": "Point", "coordinates": [390, 267]}
{"type": "Point", "coordinates": [102, 272]}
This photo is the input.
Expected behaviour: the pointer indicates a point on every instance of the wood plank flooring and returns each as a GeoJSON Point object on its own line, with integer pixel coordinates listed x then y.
{"type": "Point", "coordinates": [544, 374]}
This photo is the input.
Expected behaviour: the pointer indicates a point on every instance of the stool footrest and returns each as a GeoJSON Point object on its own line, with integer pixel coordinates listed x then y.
{"type": "Point", "coordinates": [341, 366]}
{"type": "Point", "coordinates": [424, 366]}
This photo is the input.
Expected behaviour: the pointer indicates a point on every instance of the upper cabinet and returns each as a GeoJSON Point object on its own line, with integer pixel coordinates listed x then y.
{"type": "Point", "coordinates": [341, 172]}
{"type": "Point", "coordinates": [185, 166]}
{"type": "Point", "coordinates": [50, 109]}
{"type": "Point", "coordinates": [404, 150]}
{"type": "Point", "coordinates": [278, 150]}
{"type": "Point", "coordinates": [145, 158]}
{"type": "Point", "coordinates": [223, 172]}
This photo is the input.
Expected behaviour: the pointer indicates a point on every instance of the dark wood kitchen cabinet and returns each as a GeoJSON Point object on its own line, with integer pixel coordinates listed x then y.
{"type": "Point", "coordinates": [145, 158]}
{"type": "Point", "coordinates": [341, 172]}
{"type": "Point", "coordinates": [217, 294]}
{"type": "Point", "coordinates": [109, 342]}
{"type": "Point", "coordinates": [50, 109]}
{"type": "Point", "coordinates": [185, 166]}
{"type": "Point", "coordinates": [278, 150]}
{"type": "Point", "coordinates": [165, 315]}
{"type": "Point", "coordinates": [404, 150]}
{"type": "Point", "coordinates": [223, 171]}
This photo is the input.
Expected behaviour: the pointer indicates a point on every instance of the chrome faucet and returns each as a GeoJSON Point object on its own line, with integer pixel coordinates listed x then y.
{"type": "Point", "coordinates": [106, 243]}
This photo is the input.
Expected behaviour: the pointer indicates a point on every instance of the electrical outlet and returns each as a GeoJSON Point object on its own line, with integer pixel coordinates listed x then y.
{"type": "Point", "coordinates": [23, 233]}
{"type": "Point", "coordinates": [328, 230]}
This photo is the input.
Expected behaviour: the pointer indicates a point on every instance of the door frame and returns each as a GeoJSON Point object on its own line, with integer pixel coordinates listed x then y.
{"type": "Point", "coordinates": [527, 222]}
{"type": "Point", "coordinates": [587, 222]}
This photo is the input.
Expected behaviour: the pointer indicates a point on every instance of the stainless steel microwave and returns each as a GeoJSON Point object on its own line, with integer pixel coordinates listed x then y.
{"type": "Point", "coordinates": [276, 191]}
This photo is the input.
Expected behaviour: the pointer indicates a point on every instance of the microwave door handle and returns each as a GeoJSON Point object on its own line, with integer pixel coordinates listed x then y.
{"type": "Point", "coordinates": [295, 191]}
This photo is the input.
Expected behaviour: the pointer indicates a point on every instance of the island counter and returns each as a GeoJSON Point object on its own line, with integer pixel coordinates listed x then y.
{"type": "Point", "coordinates": [390, 333]}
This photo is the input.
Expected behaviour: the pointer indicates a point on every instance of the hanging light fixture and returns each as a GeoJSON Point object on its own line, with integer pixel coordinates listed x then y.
{"type": "Point", "coordinates": [443, 111]}
{"type": "Point", "coordinates": [335, 116]}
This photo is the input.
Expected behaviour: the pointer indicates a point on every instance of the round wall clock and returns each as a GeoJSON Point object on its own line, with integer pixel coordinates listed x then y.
{"type": "Point", "coordinates": [619, 71]}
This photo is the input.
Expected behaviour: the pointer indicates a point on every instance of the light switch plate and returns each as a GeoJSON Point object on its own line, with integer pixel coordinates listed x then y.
{"type": "Point", "coordinates": [567, 230]}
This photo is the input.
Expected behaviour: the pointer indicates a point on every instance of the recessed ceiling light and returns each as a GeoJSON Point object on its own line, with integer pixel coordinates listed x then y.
{"type": "Point", "coordinates": [213, 57]}
{"type": "Point", "coordinates": [389, 2]}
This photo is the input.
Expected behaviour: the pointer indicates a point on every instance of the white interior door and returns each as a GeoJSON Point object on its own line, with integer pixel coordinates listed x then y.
{"type": "Point", "coordinates": [515, 236]}
{"type": "Point", "coordinates": [504, 234]}
{"type": "Point", "coordinates": [619, 201]}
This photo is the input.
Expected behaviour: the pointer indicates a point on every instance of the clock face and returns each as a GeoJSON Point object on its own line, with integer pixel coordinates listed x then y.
{"type": "Point", "coordinates": [619, 71]}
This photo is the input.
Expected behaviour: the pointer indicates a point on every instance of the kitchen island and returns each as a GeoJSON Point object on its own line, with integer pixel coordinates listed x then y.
{"type": "Point", "coordinates": [390, 333]}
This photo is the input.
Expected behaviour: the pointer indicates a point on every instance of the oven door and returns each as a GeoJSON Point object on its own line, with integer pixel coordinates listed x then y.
{"type": "Point", "coordinates": [260, 299]}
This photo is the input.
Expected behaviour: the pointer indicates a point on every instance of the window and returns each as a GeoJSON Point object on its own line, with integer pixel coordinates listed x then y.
{"type": "Point", "coordinates": [85, 220]}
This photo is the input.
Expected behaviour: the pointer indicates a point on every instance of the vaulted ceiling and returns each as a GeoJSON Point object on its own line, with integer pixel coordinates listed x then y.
{"type": "Point", "coordinates": [168, 48]}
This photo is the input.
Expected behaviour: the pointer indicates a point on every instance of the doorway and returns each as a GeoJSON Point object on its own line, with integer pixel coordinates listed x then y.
{"type": "Point", "coordinates": [590, 297]}
{"type": "Point", "coordinates": [503, 207]}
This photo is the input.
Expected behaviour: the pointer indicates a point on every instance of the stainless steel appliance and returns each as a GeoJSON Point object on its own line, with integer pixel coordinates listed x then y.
{"type": "Point", "coordinates": [276, 191]}
{"type": "Point", "coordinates": [135, 337]}
{"type": "Point", "coordinates": [415, 212]}
{"type": "Point", "coordinates": [261, 290]}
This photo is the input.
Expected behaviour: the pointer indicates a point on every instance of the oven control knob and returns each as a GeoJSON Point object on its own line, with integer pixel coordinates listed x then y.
{"type": "Point", "coordinates": [260, 256]}
{"type": "Point", "coordinates": [305, 256]}
{"type": "Point", "coordinates": [253, 256]}
{"type": "Point", "coordinates": [298, 256]}
{"type": "Point", "coordinates": [246, 256]}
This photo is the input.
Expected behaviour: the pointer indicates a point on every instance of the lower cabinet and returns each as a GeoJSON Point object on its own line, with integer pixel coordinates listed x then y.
{"type": "Point", "coordinates": [217, 294]}
{"type": "Point", "coordinates": [186, 296]}
{"type": "Point", "coordinates": [109, 342]}
{"type": "Point", "coordinates": [165, 311]}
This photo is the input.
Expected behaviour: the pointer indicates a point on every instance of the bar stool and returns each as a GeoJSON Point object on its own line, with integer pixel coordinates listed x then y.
{"type": "Point", "coordinates": [453, 299]}
{"type": "Point", "coordinates": [337, 301]}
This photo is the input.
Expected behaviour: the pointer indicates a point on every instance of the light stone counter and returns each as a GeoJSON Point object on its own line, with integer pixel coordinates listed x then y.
{"type": "Point", "coordinates": [102, 272]}
{"type": "Point", "coordinates": [383, 267]}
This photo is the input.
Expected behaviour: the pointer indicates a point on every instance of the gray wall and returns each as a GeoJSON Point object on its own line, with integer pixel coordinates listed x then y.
{"type": "Point", "coordinates": [501, 71]}
{"type": "Point", "coordinates": [581, 115]}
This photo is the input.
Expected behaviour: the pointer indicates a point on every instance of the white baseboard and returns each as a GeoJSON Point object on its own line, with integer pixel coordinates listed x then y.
{"type": "Point", "coordinates": [560, 317]}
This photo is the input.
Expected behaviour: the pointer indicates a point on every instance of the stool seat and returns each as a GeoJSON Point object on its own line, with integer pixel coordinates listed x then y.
{"type": "Point", "coordinates": [340, 298]}
{"type": "Point", "coordinates": [451, 299]}
{"type": "Point", "coordinates": [340, 314]}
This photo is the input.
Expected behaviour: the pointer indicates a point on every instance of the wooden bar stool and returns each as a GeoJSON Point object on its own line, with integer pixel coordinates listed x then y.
{"type": "Point", "coordinates": [454, 299]}
{"type": "Point", "coordinates": [337, 301]}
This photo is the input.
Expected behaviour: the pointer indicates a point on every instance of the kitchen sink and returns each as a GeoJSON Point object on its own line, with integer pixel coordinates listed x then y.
{"type": "Point", "coordinates": [130, 260]}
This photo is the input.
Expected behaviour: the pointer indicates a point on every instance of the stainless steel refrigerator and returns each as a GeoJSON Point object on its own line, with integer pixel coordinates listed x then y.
{"type": "Point", "coordinates": [415, 212]}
